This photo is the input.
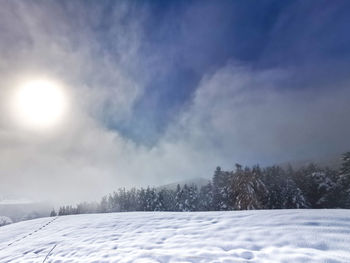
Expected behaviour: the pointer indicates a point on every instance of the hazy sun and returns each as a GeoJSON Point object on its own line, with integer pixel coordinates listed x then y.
{"type": "Point", "coordinates": [40, 103]}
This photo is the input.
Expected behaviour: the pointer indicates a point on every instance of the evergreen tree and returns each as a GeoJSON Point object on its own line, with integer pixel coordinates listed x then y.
{"type": "Point", "coordinates": [318, 185]}
{"type": "Point", "coordinates": [168, 199]}
{"type": "Point", "coordinates": [104, 205]}
{"type": "Point", "coordinates": [248, 188]}
{"type": "Point", "coordinates": [274, 179]}
{"type": "Point", "coordinates": [141, 201]}
{"type": "Point", "coordinates": [189, 198]}
{"type": "Point", "coordinates": [282, 191]}
{"type": "Point", "coordinates": [110, 203]}
{"type": "Point", "coordinates": [160, 201]}
{"type": "Point", "coordinates": [131, 200]}
{"type": "Point", "coordinates": [343, 183]}
{"type": "Point", "coordinates": [222, 190]}
{"type": "Point", "coordinates": [61, 211]}
{"type": "Point", "coordinates": [53, 213]}
{"type": "Point", "coordinates": [322, 189]}
{"type": "Point", "coordinates": [205, 202]}
{"type": "Point", "coordinates": [178, 198]}
{"type": "Point", "coordinates": [293, 196]}
{"type": "Point", "coordinates": [151, 199]}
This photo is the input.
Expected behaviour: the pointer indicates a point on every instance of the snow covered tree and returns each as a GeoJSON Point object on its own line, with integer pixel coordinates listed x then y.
{"type": "Point", "coordinates": [62, 211]}
{"type": "Point", "coordinates": [248, 189]}
{"type": "Point", "coordinates": [53, 213]}
{"type": "Point", "coordinates": [141, 200]}
{"type": "Point", "coordinates": [292, 195]}
{"type": "Point", "coordinates": [282, 191]}
{"type": "Point", "coordinates": [345, 168]}
{"type": "Point", "coordinates": [131, 200]}
{"type": "Point", "coordinates": [178, 198]}
{"type": "Point", "coordinates": [104, 205]}
{"type": "Point", "coordinates": [205, 199]}
{"type": "Point", "coordinates": [274, 178]}
{"type": "Point", "coordinates": [151, 199]}
{"type": "Point", "coordinates": [168, 199]}
{"type": "Point", "coordinates": [318, 185]}
{"type": "Point", "coordinates": [183, 199]}
{"type": "Point", "coordinates": [322, 189]}
{"type": "Point", "coordinates": [122, 200]}
{"type": "Point", "coordinates": [189, 198]}
{"type": "Point", "coordinates": [222, 190]}
{"type": "Point", "coordinates": [160, 201]}
{"type": "Point", "coordinates": [344, 181]}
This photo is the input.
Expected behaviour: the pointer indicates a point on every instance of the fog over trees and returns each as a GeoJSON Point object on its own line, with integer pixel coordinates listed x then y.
{"type": "Point", "coordinates": [245, 188]}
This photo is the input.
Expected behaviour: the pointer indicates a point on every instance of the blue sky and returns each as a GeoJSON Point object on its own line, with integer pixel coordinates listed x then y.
{"type": "Point", "coordinates": [161, 91]}
{"type": "Point", "coordinates": [189, 39]}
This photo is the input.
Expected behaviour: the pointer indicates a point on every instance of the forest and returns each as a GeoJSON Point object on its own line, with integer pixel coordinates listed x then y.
{"type": "Point", "coordinates": [245, 188]}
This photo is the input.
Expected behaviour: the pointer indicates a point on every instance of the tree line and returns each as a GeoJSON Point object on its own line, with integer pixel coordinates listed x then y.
{"type": "Point", "coordinates": [242, 189]}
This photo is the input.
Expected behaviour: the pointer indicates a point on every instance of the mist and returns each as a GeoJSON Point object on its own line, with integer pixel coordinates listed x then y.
{"type": "Point", "coordinates": [149, 104]}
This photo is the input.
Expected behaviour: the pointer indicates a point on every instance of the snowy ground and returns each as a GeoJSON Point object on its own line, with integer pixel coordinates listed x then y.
{"type": "Point", "coordinates": [238, 236]}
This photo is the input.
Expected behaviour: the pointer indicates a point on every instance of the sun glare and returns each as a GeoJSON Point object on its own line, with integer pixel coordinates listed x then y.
{"type": "Point", "coordinates": [39, 103]}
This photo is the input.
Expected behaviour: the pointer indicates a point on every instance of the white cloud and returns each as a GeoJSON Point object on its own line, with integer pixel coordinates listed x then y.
{"type": "Point", "coordinates": [247, 116]}
{"type": "Point", "coordinates": [80, 158]}
{"type": "Point", "coordinates": [237, 114]}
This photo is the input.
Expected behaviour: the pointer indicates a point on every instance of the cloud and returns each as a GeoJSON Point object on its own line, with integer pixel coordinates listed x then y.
{"type": "Point", "coordinates": [79, 159]}
{"type": "Point", "coordinates": [235, 113]}
{"type": "Point", "coordinates": [244, 115]}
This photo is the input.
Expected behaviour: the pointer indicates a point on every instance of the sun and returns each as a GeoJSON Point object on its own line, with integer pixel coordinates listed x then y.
{"type": "Point", "coordinates": [39, 103]}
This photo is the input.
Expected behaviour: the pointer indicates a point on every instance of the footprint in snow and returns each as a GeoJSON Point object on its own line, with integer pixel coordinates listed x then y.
{"type": "Point", "coordinates": [247, 255]}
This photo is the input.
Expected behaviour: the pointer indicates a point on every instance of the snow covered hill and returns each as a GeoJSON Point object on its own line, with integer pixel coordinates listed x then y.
{"type": "Point", "coordinates": [237, 236]}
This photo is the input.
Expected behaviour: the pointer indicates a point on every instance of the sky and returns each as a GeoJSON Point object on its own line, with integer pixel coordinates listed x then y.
{"type": "Point", "coordinates": [162, 91]}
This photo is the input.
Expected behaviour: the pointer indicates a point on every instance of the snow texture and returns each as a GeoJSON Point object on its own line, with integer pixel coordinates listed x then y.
{"type": "Point", "coordinates": [235, 236]}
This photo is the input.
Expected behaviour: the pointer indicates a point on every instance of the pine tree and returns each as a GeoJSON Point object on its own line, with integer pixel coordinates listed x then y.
{"type": "Point", "coordinates": [345, 168]}
{"type": "Point", "coordinates": [274, 178]}
{"type": "Point", "coordinates": [160, 201]}
{"type": "Point", "coordinates": [185, 199]}
{"type": "Point", "coordinates": [189, 198]}
{"type": "Point", "coordinates": [323, 186]}
{"type": "Point", "coordinates": [248, 188]}
{"type": "Point", "coordinates": [318, 185]}
{"type": "Point", "coordinates": [110, 203]}
{"type": "Point", "coordinates": [169, 199]}
{"type": "Point", "coordinates": [178, 198]}
{"type": "Point", "coordinates": [222, 190]}
{"type": "Point", "coordinates": [53, 213]}
{"type": "Point", "coordinates": [292, 195]}
{"type": "Point", "coordinates": [205, 200]}
{"type": "Point", "coordinates": [61, 211]}
{"type": "Point", "coordinates": [131, 200]}
{"type": "Point", "coordinates": [104, 205]}
{"type": "Point", "coordinates": [283, 193]}
{"type": "Point", "coordinates": [217, 184]}
{"type": "Point", "coordinates": [151, 199]}
{"type": "Point", "coordinates": [141, 203]}
{"type": "Point", "coordinates": [344, 181]}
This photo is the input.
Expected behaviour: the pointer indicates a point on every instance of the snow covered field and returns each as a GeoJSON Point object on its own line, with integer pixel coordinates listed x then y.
{"type": "Point", "coordinates": [237, 236]}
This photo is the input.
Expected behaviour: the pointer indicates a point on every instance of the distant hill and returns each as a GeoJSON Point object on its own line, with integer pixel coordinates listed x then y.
{"type": "Point", "coordinates": [194, 181]}
{"type": "Point", "coordinates": [19, 211]}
